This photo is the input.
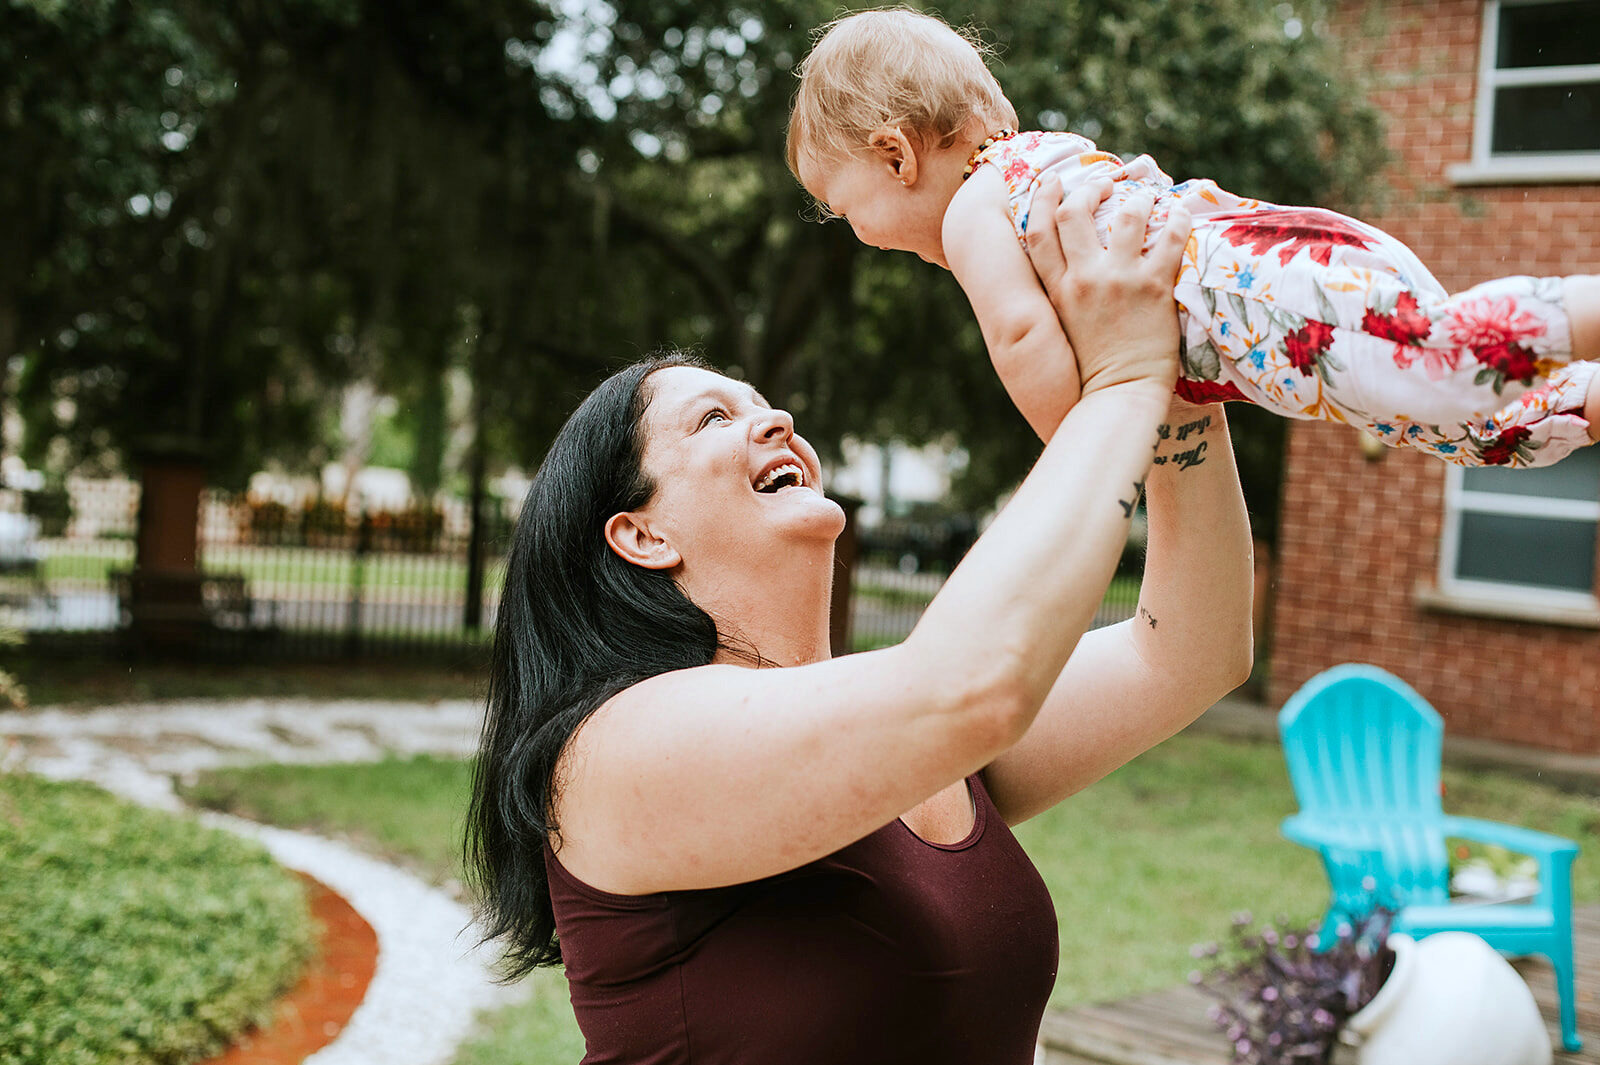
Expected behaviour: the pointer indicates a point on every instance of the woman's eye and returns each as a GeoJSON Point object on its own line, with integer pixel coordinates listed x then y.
{"type": "Point", "coordinates": [714, 413]}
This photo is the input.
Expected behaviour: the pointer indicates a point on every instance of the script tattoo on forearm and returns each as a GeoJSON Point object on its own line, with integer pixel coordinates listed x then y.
{"type": "Point", "coordinates": [1195, 454]}
{"type": "Point", "coordinates": [1128, 505]}
{"type": "Point", "coordinates": [1147, 616]}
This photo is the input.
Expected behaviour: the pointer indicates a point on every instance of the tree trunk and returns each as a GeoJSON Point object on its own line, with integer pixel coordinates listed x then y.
{"type": "Point", "coordinates": [164, 594]}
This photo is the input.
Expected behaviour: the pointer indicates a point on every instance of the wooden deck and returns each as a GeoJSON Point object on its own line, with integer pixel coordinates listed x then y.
{"type": "Point", "coordinates": [1171, 1028]}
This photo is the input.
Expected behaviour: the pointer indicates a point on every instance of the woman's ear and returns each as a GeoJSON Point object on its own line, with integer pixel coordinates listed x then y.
{"type": "Point", "coordinates": [897, 152]}
{"type": "Point", "coordinates": [630, 537]}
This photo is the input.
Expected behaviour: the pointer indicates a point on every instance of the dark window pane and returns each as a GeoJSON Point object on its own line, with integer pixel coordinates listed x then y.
{"type": "Point", "coordinates": [1574, 477]}
{"type": "Point", "coordinates": [1549, 35]}
{"type": "Point", "coordinates": [1547, 118]}
{"type": "Point", "coordinates": [1536, 551]}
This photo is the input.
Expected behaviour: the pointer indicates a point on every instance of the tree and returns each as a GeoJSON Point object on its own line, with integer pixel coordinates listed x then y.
{"type": "Point", "coordinates": [230, 209]}
{"type": "Point", "coordinates": [157, 310]}
{"type": "Point", "coordinates": [1249, 92]}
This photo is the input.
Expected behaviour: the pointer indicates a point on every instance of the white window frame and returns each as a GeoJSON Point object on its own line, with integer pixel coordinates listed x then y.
{"type": "Point", "coordinates": [1458, 500]}
{"type": "Point", "coordinates": [1486, 168]}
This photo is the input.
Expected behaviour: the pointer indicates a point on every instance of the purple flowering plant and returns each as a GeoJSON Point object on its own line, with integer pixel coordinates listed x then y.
{"type": "Point", "coordinates": [1283, 996]}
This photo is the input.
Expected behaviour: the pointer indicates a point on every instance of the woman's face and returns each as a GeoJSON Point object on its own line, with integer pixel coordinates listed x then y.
{"type": "Point", "coordinates": [731, 476]}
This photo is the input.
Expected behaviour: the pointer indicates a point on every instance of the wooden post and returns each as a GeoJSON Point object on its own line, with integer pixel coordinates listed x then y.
{"type": "Point", "coordinates": [472, 608]}
{"type": "Point", "coordinates": [1261, 605]}
{"type": "Point", "coordinates": [472, 612]}
{"type": "Point", "coordinates": [844, 571]}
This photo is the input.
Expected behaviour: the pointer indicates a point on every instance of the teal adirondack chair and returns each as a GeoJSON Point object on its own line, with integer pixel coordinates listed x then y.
{"type": "Point", "coordinates": [1363, 750]}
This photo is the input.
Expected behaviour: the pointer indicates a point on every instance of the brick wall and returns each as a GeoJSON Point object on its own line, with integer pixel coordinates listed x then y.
{"type": "Point", "coordinates": [1358, 535]}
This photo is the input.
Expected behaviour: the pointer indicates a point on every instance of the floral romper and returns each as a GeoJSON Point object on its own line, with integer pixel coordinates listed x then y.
{"type": "Point", "coordinates": [1313, 314]}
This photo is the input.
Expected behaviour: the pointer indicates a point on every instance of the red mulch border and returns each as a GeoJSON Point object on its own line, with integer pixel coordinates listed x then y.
{"type": "Point", "coordinates": [316, 1010]}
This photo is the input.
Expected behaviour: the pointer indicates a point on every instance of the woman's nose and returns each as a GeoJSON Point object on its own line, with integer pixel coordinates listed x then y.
{"type": "Point", "coordinates": [775, 425]}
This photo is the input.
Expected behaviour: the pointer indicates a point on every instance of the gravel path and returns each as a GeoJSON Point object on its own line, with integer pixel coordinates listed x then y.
{"type": "Point", "coordinates": [430, 982]}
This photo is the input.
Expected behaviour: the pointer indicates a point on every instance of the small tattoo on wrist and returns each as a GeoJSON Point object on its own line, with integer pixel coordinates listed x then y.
{"type": "Point", "coordinates": [1147, 616]}
{"type": "Point", "coordinates": [1127, 506]}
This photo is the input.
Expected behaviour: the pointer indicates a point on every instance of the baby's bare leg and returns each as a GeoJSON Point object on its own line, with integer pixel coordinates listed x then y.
{"type": "Point", "coordinates": [1582, 299]}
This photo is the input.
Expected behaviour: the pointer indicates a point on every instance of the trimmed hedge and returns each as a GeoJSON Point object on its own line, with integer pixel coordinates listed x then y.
{"type": "Point", "coordinates": [130, 936]}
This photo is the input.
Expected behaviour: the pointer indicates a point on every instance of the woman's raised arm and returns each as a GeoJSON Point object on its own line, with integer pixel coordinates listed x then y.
{"type": "Point", "coordinates": [1129, 686]}
{"type": "Point", "coordinates": [720, 774]}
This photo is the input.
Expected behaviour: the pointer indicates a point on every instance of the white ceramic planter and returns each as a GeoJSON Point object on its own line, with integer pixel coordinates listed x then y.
{"type": "Point", "coordinates": [1451, 1000]}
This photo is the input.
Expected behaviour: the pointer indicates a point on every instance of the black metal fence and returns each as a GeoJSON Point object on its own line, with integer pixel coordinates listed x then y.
{"type": "Point", "coordinates": [291, 576]}
{"type": "Point", "coordinates": [901, 566]}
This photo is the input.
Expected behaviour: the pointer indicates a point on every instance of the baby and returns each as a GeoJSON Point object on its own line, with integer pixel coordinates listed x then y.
{"type": "Point", "coordinates": [899, 128]}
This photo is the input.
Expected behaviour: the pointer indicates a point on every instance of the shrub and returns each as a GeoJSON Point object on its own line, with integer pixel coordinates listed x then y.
{"type": "Point", "coordinates": [132, 936]}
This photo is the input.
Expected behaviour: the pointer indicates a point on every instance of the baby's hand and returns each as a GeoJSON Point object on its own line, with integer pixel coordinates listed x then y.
{"type": "Point", "coordinates": [1115, 302]}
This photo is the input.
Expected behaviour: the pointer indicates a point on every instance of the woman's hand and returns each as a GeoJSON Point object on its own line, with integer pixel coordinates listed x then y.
{"type": "Point", "coordinates": [1115, 303]}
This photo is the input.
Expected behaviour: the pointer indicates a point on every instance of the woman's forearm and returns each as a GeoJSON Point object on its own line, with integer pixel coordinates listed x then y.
{"type": "Point", "coordinates": [1195, 600]}
{"type": "Point", "coordinates": [1132, 685]}
{"type": "Point", "coordinates": [1010, 615]}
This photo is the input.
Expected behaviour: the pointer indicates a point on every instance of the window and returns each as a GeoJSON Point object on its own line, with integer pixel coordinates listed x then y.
{"type": "Point", "coordinates": [1524, 537]}
{"type": "Point", "coordinates": [1538, 109]}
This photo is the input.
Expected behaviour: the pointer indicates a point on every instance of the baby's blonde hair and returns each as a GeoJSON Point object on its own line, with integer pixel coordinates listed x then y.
{"type": "Point", "coordinates": [891, 67]}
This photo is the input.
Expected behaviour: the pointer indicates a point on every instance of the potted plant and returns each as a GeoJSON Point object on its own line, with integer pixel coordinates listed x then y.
{"type": "Point", "coordinates": [1288, 998]}
{"type": "Point", "coordinates": [1284, 996]}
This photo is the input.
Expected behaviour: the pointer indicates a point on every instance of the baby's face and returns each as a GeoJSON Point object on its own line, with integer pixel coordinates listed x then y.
{"type": "Point", "coordinates": [885, 212]}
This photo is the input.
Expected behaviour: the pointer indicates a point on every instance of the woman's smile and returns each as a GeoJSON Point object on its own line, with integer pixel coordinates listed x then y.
{"type": "Point", "coordinates": [782, 472]}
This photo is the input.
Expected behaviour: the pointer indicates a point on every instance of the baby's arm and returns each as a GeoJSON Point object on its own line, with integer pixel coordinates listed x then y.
{"type": "Point", "coordinates": [1026, 343]}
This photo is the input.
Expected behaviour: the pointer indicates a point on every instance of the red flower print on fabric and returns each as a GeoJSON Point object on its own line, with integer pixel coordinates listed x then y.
{"type": "Point", "coordinates": [1018, 169]}
{"type": "Point", "coordinates": [1208, 391]}
{"type": "Point", "coordinates": [1494, 329]}
{"type": "Point", "coordinates": [1436, 362]}
{"type": "Point", "coordinates": [1406, 324]}
{"type": "Point", "coordinates": [1306, 345]}
{"type": "Point", "coordinates": [1509, 359]}
{"type": "Point", "coordinates": [1504, 447]}
{"type": "Point", "coordinates": [1293, 229]}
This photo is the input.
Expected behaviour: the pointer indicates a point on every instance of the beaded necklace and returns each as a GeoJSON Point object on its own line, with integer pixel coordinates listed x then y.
{"type": "Point", "coordinates": [988, 142]}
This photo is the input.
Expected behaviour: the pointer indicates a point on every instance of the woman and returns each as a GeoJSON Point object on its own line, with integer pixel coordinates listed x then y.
{"type": "Point", "coordinates": [810, 863]}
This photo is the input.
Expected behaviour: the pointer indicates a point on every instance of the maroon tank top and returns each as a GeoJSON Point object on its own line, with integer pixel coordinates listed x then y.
{"type": "Point", "coordinates": [890, 950]}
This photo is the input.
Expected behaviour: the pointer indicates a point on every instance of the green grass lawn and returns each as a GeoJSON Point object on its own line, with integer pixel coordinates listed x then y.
{"type": "Point", "coordinates": [1143, 865]}
{"type": "Point", "coordinates": [408, 811]}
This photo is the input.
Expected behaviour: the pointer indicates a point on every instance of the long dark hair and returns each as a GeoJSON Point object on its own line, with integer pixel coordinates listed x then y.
{"type": "Point", "coordinates": [576, 625]}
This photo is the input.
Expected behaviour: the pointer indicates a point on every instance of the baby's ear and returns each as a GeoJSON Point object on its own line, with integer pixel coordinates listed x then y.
{"type": "Point", "coordinates": [897, 151]}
